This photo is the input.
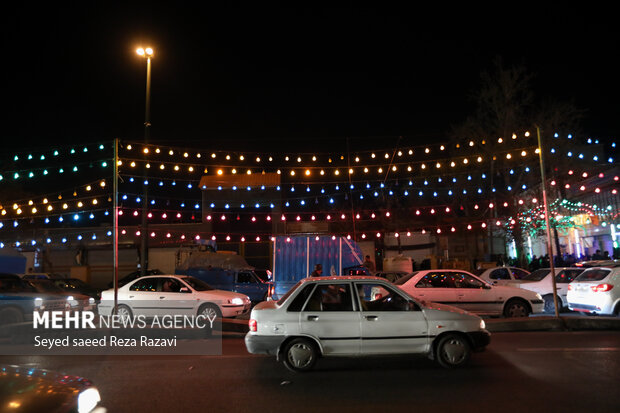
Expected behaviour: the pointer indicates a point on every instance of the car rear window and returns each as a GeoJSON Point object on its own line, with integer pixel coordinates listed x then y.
{"type": "Point", "coordinates": [288, 293]}
{"type": "Point", "coordinates": [537, 275]}
{"type": "Point", "coordinates": [593, 275]}
{"type": "Point", "coordinates": [404, 279]}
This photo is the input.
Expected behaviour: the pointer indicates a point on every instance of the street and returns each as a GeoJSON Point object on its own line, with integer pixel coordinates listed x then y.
{"type": "Point", "coordinates": [526, 371]}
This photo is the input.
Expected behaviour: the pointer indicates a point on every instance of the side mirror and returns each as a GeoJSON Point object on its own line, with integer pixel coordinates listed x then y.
{"type": "Point", "coordinates": [184, 290]}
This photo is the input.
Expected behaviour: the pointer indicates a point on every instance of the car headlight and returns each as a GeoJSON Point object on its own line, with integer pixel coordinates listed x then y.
{"type": "Point", "coordinates": [91, 301]}
{"type": "Point", "coordinates": [72, 301]}
{"type": "Point", "coordinates": [237, 301]}
{"type": "Point", "coordinates": [538, 296]}
{"type": "Point", "coordinates": [482, 325]}
{"type": "Point", "coordinates": [88, 400]}
{"type": "Point", "coordinates": [38, 303]}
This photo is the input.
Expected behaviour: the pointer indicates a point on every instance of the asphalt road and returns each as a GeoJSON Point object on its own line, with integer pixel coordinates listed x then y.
{"type": "Point", "coordinates": [519, 372]}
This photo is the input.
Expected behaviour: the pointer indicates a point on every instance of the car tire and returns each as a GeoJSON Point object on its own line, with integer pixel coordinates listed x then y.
{"type": "Point", "coordinates": [212, 312]}
{"type": "Point", "coordinates": [300, 355]}
{"type": "Point", "coordinates": [515, 308]}
{"type": "Point", "coordinates": [123, 311]}
{"type": "Point", "coordinates": [453, 350]}
{"type": "Point", "coordinates": [549, 305]}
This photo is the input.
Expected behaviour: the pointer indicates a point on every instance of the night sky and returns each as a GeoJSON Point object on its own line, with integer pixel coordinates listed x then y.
{"type": "Point", "coordinates": [259, 77]}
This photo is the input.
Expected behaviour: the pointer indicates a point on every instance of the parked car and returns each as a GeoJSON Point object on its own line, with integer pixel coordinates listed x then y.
{"type": "Point", "coordinates": [503, 275]}
{"type": "Point", "coordinates": [19, 299]}
{"type": "Point", "coordinates": [337, 316]}
{"type": "Point", "coordinates": [244, 281]}
{"type": "Point", "coordinates": [76, 300]}
{"type": "Point", "coordinates": [391, 276]}
{"type": "Point", "coordinates": [149, 296]}
{"type": "Point", "coordinates": [466, 291]}
{"type": "Point", "coordinates": [27, 389]}
{"type": "Point", "coordinates": [75, 285]}
{"type": "Point", "coordinates": [540, 281]}
{"type": "Point", "coordinates": [596, 291]}
{"type": "Point", "coordinates": [132, 276]}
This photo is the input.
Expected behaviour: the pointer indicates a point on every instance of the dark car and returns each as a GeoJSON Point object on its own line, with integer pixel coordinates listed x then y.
{"type": "Point", "coordinates": [75, 300]}
{"type": "Point", "coordinates": [132, 276]}
{"type": "Point", "coordinates": [28, 389]}
{"type": "Point", "coordinates": [19, 299]}
{"type": "Point", "coordinates": [78, 286]}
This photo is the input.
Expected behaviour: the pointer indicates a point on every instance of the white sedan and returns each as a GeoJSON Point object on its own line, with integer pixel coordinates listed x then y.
{"type": "Point", "coordinates": [159, 295]}
{"type": "Point", "coordinates": [464, 290]}
{"type": "Point", "coordinates": [340, 316]}
{"type": "Point", "coordinates": [541, 282]}
{"type": "Point", "coordinates": [596, 291]}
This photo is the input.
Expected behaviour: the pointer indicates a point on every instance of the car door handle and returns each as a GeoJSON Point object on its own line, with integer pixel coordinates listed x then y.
{"type": "Point", "coordinates": [161, 298]}
{"type": "Point", "coordinates": [131, 296]}
{"type": "Point", "coordinates": [313, 317]}
{"type": "Point", "coordinates": [460, 295]}
{"type": "Point", "coordinates": [372, 318]}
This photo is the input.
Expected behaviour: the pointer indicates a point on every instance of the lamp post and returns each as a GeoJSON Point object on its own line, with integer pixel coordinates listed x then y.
{"type": "Point", "coordinates": [146, 53]}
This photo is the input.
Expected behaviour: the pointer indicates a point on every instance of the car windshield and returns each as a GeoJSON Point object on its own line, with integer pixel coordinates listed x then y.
{"type": "Point", "coordinates": [288, 293]}
{"type": "Point", "coordinates": [46, 286]}
{"type": "Point", "coordinates": [197, 284]}
{"type": "Point", "coordinates": [537, 275]}
{"type": "Point", "coordinates": [404, 279]}
{"type": "Point", "coordinates": [596, 274]}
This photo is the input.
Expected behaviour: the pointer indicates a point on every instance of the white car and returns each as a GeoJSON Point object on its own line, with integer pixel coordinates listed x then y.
{"type": "Point", "coordinates": [464, 290]}
{"type": "Point", "coordinates": [540, 281]}
{"type": "Point", "coordinates": [159, 295]}
{"type": "Point", "coordinates": [596, 291]}
{"type": "Point", "coordinates": [503, 275]}
{"type": "Point", "coordinates": [338, 316]}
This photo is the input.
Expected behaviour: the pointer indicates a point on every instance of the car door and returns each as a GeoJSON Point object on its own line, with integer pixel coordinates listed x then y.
{"type": "Point", "coordinates": [475, 295]}
{"type": "Point", "coordinates": [247, 283]}
{"type": "Point", "coordinates": [141, 296]}
{"type": "Point", "coordinates": [434, 286]}
{"type": "Point", "coordinates": [330, 316]}
{"type": "Point", "coordinates": [173, 297]}
{"type": "Point", "coordinates": [390, 322]}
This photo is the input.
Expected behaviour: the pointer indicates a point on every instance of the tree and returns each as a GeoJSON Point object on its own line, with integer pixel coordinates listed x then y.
{"type": "Point", "coordinates": [505, 104]}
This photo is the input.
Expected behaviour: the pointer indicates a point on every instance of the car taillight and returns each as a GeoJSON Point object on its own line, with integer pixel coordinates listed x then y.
{"type": "Point", "coordinates": [570, 287]}
{"type": "Point", "coordinates": [253, 325]}
{"type": "Point", "coordinates": [601, 288]}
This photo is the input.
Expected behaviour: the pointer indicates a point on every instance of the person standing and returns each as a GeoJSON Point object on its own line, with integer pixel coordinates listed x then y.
{"type": "Point", "coordinates": [318, 271]}
{"type": "Point", "coordinates": [369, 264]}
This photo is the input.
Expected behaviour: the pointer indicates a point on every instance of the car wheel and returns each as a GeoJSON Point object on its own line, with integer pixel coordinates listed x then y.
{"type": "Point", "coordinates": [212, 314]}
{"type": "Point", "coordinates": [452, 351]}
{"type": "Point", "coordinates": [300, 355]}
{"type": "Point", "coordinates": [516, 308]}
{"type": "Point", "coordinates": [549, 306]}
{"type": "Point", "coordinates": [10, 315]}
{"type": "Point", "coordinates": [124, 312]}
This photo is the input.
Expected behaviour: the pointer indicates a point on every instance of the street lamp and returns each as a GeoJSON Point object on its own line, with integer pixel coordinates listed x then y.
{"type": "Point", "coordinates": [146, 53]}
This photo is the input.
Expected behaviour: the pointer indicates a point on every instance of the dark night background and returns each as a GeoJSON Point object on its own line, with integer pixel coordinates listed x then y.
{"type": "Point", "coordinates": [263, 77]}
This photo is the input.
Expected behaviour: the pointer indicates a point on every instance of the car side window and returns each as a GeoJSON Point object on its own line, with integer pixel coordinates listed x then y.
{"type": "Point", "coordinates": [245, 278]}
{"type": "Point", "coordinates": [300, 299]}
{"type": "Point", "coordinates": [499, 274]}
{"type": "Point", "coordinates": [145, 284]}
{"type": "Point", "coordinates": [169, 285]}
{"type": "Point", "coordinates": [462, 280]}
{"type": "Point", "coordinates": [330, 297]}
{"type": "Point", "coordinates": [518, 274]}
{"type": "Point", "coordinates": [435, 280]}
{"type": "Point", "coordinates": [378, 297]}
{"type": "Point", "coordinates": [566, 276]}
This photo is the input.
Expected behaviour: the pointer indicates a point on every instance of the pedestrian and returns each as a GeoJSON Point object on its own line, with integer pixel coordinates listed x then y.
{"type": "Point", "coordinates": [369, 264]}
{"type": "Point", "coordinates": [318, 271]}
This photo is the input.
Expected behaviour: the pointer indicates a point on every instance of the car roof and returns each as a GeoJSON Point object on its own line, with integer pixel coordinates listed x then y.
{"type": "Point", "coordinates": [343, 278]}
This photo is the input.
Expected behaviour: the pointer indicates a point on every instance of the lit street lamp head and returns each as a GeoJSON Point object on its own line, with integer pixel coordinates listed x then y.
{"type": "Point", "coordinates": [145, 52]}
